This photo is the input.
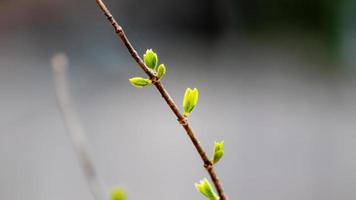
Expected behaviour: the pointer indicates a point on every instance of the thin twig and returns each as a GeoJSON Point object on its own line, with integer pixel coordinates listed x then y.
{"type": "Point", "coordinates": [181, 119]}
{"type": "Point", "coordinates": [75, 130]}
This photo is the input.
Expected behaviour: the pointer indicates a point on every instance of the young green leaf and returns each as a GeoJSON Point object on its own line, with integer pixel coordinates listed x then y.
{"type": "Point", "coordinates": [150, 58]}
{"type": "Point", "coordinates": [118, 194]}
{"type": "Point", "coordinates": [218, 152]}
{"type": "Point", "coordinates": [205, 189]}
{"type": "Point", "coordinates": [190, 100]}
{"type": "Point", "coordinates": [139, 82]}
{"type": "Point", "coordinates": [161, 71]}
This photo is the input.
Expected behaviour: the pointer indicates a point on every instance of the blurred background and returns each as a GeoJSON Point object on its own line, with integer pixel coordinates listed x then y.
{"type": "Point", "coordinates": [276, 80]}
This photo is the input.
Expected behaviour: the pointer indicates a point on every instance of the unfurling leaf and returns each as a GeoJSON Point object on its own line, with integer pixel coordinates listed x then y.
{"type": "Point", "coordinates": [161, 71]}
{"type": "Point", "coordinates": [190, 100]}
{"type": "Point", "coordinates": [218, 152]}
{"type": "Point", "coordinates": [205, 189]}
{"type": "Point", "coordinates": [140, 82]}
{"type": "Point", "coordinates": [118, 194]}
{"type": "Point", "coordinates": [150, 58]}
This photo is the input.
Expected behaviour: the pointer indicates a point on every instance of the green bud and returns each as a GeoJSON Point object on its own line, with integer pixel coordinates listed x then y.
{"type": "Point", "coordinates": [218, 152]}
{"type": "Point", "coordinates": [161, 71]}
{"type": "Point", "coordinates": [150, 58]}
{"type": "Point", "coordinates": [118, 194]}
{"type": "Point", "coordinates": [205, 189]}
{"type": "Point", "coordinates": [190, 100]}
{"type": "Point", "coordinates": [140, 82]}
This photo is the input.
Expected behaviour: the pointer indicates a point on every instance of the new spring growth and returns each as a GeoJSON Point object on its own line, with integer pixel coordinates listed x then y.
{"type": "Point", "coordinates": [161, 71]}
{"type": "Point", "coordinates": [218, 152]}
{"type": "Point", "coordinates": [140, 82]}
{"type": "Point", "coordinates": [151, 60]}
{"type": "Point", "coordinates": [118, 194]}
{"type": "Point", "coordinates": [190, 100]}
{"type": "Point", "coordinates": [205, 189]}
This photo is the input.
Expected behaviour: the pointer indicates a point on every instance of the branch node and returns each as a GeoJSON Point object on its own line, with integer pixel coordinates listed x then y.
{"type": "Point", "coordinates": [183, 121]}
{"type": "Point", "coordinates": [154, 80]}
{"type": "Point", "coordinates": [208, 165]}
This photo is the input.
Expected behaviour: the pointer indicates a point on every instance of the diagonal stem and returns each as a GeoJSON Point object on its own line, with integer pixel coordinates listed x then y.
{"type": "Point", "coordinates": [180, 118]}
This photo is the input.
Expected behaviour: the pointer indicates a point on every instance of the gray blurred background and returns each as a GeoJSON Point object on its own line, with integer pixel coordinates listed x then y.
{"type": "Point", "coordinates": [276, 80]}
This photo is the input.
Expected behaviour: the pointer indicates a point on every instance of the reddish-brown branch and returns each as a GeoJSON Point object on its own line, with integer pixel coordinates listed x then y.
{"type": "Point", "coordinates": [181, 119]}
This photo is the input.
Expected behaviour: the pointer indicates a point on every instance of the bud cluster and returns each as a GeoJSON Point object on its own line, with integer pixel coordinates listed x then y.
{"type": "Point", "coordinates": [151, 61]}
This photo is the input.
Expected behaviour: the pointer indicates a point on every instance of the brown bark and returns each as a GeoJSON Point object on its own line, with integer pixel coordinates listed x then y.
{"type": "Point", "coordinates": [180, 118]}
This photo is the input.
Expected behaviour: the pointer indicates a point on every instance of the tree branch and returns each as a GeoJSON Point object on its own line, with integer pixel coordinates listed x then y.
{"type": "Point", "coordinates": [180, 118]}
{"type": "Point", "coordinates": [75, 130]}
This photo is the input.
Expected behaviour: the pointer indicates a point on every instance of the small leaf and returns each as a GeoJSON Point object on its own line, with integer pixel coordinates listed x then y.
{"type": "Point", "coordinates": [205, 189]}
{"type": "Point", "coordinates": [118, 194]}
{"type": "Point", "coordinates": [218, 152]}
{"type": "Point", "coordinates": [195, 96]}
{"type": "Point", "coordinates": [161, 71]}
{"type": "Point", "coordinates": [150, 58]}
{"type": "Point", "coordinates": [190, 100]}
{"type": "Point", "coordinates": [139, 82]}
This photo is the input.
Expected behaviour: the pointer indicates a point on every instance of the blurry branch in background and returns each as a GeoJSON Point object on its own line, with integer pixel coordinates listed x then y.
{"type": "Point", "coordinates": [75, 130]}
{"type": "Point", "coordinates": [154, 72]}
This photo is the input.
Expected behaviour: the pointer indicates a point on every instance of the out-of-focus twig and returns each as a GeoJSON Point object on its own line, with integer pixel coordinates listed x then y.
{"type": "Point", "coordinates": [75, 130]}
